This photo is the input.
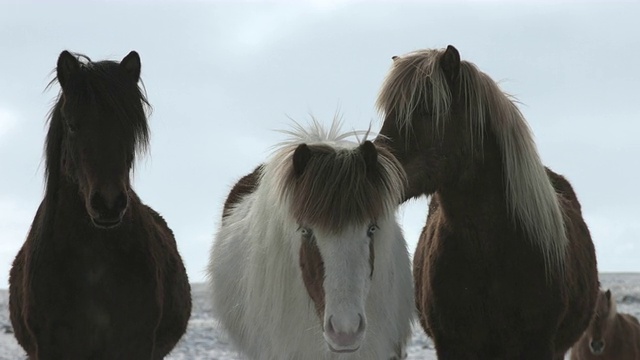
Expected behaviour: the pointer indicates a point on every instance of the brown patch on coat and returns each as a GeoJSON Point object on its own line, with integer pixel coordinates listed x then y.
{"type": "Point", "coordinates": [246, 185]}
{"type": "Point", "coordinates": [312, 268]}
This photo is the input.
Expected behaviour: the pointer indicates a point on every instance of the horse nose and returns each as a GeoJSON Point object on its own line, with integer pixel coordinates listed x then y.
{"type": "Point", "coordinates": [344, 333]}
{"type": "Point", "coordinates": [108, 205]}
{"type": "Point", "coordinates": [597, 346]}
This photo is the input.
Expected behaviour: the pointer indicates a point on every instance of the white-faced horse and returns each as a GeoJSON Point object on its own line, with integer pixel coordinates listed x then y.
{"type": "Point", "coordinates": [310, 262]}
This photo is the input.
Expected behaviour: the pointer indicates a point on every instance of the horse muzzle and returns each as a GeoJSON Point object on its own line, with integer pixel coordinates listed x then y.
{"type": "Point", "coordinates": [344, 335]}
{"type": "Point", "coordinates": [596, 347]}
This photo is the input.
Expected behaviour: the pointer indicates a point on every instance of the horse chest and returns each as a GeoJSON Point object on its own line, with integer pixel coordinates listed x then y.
{"type": "Point", "coordinates": [94, 273]}
{"type": "Point", "coordinates": [97, 279]}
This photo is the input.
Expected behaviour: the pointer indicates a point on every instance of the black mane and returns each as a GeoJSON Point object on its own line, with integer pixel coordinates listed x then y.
{"type": "Point", "coordinates": [103, 83]}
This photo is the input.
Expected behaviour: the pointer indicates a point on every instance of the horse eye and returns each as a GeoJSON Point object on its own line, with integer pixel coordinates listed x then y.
{"type": "Point", "coordinates": [372, 229]}
{"type": "Point", "coordinates": [306, 232]}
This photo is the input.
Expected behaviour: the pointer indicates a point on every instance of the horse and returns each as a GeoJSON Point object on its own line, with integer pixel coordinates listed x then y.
{"type": "Point", "coordinates": [505, 267]}
{"type": "Point", "coordinates": [309, 261]}
{"type": "Point", "coordinates": [610, 336]}
{"type": "Point", "coordinates": [99, 275]}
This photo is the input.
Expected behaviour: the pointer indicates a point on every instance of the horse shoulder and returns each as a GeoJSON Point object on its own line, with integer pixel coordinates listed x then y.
{"type": "Point", "coordinates": [173, 291]}
{"type": "Point", "coordinates": [19, 293]}
{"type": "Point", "coordinates": [159, 220]}
{"type": "Point", "coordinates": [17, 298]}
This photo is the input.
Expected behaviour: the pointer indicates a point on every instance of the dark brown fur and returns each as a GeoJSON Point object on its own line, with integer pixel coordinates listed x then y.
{"type": "Point", "coordinates": [618, 334]}
{"type": "Point", "coordinates": [246, 185]}
{"type": "Point", "coordinates": [482, 290]}
{"type": "Point", "coordinates": [79, 291]}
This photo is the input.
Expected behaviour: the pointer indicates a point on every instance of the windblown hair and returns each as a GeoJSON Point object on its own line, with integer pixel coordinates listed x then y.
{"type": "Point", "coordinates": [338, 187]}
{"type": "Point", "coordinates": [417, 82]}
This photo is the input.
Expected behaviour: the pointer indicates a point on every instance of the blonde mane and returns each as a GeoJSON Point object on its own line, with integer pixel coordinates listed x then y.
{"type": "Point", "coordinates": [417, 80]}
{"type": "Point", "coordinates": [337, 187]}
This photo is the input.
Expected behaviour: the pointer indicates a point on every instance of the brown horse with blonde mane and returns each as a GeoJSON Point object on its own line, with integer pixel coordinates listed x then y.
{"type": "Point", "coordinates": [99, 276]}
{"type": "Point", "coordinates": [610, 336]}
{"type": "Point", "coordinates": [505, 267]}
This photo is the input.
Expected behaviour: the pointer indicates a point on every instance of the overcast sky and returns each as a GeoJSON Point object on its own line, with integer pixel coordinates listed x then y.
{"type": "Point", "coordinates": [222, 77]}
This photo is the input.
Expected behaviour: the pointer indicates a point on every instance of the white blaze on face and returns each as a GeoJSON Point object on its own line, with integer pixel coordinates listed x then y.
{"type": "Point", "coordinates": [347, 270]}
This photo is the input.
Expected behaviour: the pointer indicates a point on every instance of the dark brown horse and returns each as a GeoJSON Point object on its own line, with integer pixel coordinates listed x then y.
{"type": "Point", "coordinates": [505, 267]}
{"type": "Point", "coordinates": [610, 336]}
{"type": "Point", "coordinates": [99, 276]}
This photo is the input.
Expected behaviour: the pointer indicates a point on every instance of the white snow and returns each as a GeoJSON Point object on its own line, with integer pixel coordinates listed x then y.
{"type": "Point", "coordinates": [204, 341]}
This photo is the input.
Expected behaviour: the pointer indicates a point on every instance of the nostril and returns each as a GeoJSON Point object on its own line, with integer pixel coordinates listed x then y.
{"type": "Point", "coordinates": [361, 325]}
{"type": "Point", "coordinates": [344, 333]}
{"type": "Point", "coordinates": [108, 206]}
{"type": "Point", "coordinates": [121, 201]}
{"type": "Point", "coordinates": [97, 203]}
{"type": "Point", "coordinates": [329, 327]}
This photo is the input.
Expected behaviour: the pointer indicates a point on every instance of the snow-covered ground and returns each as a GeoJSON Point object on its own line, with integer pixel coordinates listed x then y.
{"type": "Point", "coordinates": [204, 341]}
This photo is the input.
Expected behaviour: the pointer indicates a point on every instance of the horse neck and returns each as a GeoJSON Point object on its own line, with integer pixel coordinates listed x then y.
{"type": "Point", "coordinates": [65, 211]}
{"type": "Point", "coordinates": [406, 148]}
{"type": "Point", "coordinates": [471, 180]}
{"type": "Point", "coordinates": [614, 329]}
{"type": "Point", "coordinates": [457, 164]}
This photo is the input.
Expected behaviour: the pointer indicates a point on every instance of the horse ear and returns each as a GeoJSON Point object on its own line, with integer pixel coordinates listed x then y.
{"type": "Point", "coordinates": [370, 154]}
{"type": "Point", "coordinates": [450, 62]}
{"type": "Point", "coordinates": [608, 294]}
{"type": "Point", "coordinates": [131, 65]}
{"type": "Point", "coordinates": [301, 157]}
{"type": "Point", "coordinates": [67, 67]}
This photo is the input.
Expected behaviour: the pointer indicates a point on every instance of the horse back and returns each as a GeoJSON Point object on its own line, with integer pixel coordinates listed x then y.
{"type": "Point", "coordinates": [633, 331]}
{"type": "Point", "coordinates": [632, 327]}
{"type": "Point", "coordinates": [624, 339]}
{"type": "Point", "coordinates": [581, 289]}
{"type": "Point", "coordinates": [246, 185]}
